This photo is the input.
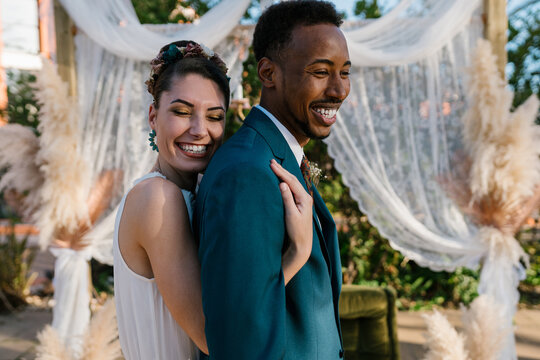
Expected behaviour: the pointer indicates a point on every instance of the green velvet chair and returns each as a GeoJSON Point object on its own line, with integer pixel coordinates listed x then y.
{"type": "Point", "coordinates": [368, 323]}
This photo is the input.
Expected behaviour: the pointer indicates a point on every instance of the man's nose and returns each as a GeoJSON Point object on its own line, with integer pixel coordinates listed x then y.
{"type": "Point", "coordinates": [338, 88]}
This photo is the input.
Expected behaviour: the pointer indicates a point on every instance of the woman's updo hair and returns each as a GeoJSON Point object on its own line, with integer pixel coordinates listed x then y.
{"type": "Point", "coordinates": [182, 58]}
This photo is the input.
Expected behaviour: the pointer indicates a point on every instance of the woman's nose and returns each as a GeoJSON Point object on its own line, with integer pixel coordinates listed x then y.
{"type": "Point", "coordinates": [198, 127]}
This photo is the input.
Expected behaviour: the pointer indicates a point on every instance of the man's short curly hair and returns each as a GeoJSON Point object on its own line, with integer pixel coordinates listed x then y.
{"type": "Point", "coordinates": [274, 28]}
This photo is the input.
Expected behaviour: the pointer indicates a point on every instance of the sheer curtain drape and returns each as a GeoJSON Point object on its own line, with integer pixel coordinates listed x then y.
{"type": "Point", "coordinates": [399, 130]}
{"type": "Point", "coordinates": [115, 26]}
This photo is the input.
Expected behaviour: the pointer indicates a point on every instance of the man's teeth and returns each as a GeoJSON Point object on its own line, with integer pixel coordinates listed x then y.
{"type": "Point", "coordinates": [327, 113]}
{"type": "Point", "coordinates": [196, 149]}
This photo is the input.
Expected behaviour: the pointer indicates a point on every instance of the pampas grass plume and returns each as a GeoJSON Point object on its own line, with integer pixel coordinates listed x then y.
{"type": "Point", "coordinates": [504, 146]}
{"type": "Point", "coordinates": [65, 189]}
{"type": "Point", "coordinates": [442, 340]}
{"type": "Point", "coordinates": [18, 154]}
{"type": "Point", "coordinates": [485, 328]}
{"type": "Point", "coordinates": [101, 339]}
{"type": "Point", "coordinates": [51, 346]}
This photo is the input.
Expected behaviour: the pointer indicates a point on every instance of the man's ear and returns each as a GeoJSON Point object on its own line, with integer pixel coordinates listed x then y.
{"type": "Point", "coordinates": [266, 70]}
{"type": "Point", "coordinates": [152, 114]}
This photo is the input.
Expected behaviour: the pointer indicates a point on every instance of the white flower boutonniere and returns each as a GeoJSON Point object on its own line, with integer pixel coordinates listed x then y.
{"type": "Point", "coordinates": [315, 172]}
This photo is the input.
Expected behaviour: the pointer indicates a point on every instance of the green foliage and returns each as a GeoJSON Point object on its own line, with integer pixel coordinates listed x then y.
{"type": "Point", "coordinates": [15, 261]}
{"type": "Point", "coordinates": [250, 78]}
{"type": "Point", "coordinates": [22, 106]}
{"type": "Point", "coordinates": [524, 53]}
{"type": "Point", "coordinates": [530, 287]}
{"type": "Point", "coordinates": [367, 9]}
{"type": "Point", "coordinates": [102, 277]}
{"type": "Point", "coordinates": [161, 11]}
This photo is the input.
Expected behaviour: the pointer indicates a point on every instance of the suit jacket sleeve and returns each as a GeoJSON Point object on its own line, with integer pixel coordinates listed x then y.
{"type": "Point", "coordinates": [241, 233]}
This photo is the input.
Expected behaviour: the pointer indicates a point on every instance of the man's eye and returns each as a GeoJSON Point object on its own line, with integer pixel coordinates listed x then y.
{"type": "Point", "coordinates": [321, 72]}
{"type": "Point", "coordinates": [345, 73]}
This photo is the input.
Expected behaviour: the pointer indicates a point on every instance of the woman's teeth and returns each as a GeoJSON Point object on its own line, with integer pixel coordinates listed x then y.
{"type": "Point", "coordinates": [327, 113]}
{"type": "Point", "coordinates": [195, 149]}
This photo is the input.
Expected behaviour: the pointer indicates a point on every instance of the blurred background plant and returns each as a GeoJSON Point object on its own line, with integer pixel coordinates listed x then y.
{"type": "Point", "coordinates": [22, 106]}
{"type": "Point", "coordinates": [523, 69]}
{"type": "Point", "coordinates": [16, 257]}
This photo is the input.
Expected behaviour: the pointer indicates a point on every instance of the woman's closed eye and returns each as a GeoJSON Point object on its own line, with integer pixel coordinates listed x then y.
{"type": "Point", "coordinates": [181, 112]}
{"type": "Point", "coordinates": [216, 117]}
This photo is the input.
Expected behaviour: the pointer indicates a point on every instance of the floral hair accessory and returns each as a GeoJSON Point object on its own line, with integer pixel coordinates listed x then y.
{"type": "Point", "coordinates": [174, 53]}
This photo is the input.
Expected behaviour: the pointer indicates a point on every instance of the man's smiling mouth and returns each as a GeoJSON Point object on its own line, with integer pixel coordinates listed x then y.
{"type": "Point", "coordinates": [326, 112]}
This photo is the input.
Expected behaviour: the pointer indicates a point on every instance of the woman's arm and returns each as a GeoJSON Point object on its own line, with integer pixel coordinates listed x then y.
{"type": "Point", "coordinates": [298, 206]}
{"type": "Point", "coordinates": [163, 230]}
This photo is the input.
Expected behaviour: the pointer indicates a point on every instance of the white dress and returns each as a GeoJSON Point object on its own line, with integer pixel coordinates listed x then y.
{"type": "Point", "coordinates": [146, 328]}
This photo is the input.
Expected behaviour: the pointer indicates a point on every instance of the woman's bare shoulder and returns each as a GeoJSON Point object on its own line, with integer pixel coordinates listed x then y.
{"type": "Point", "coordinates": [154, 203]}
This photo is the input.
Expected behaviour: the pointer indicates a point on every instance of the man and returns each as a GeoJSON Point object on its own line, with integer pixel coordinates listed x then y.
{"type": "Point", "coordinates": [303, 64]}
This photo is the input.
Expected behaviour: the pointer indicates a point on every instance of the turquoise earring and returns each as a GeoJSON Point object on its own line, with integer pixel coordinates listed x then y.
{"type": "Point", "coordinates": [153, 145]}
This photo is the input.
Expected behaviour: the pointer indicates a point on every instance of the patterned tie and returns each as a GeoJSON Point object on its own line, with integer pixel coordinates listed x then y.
{"type": "Point", "coordinates": [304, 167]}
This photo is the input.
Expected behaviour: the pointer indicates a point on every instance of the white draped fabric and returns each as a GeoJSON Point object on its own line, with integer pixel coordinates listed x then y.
{"type": "Point", "coordinates": [401, 126]}
{"type": "Point", "coordinates": [397, 133]}
{"type": "Point", "coordinates": [71, 311]}
{"type": "Point", "coordinates": [115, 26]}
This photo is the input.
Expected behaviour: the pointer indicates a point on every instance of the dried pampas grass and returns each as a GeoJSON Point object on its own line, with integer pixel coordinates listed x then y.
{"type": "Point", "coordinates": [504, 146]}
{"type": "Point", "coordinates": [442, 340]}
{"type": "Point", "coordinates": [51, 347]}
{"type": "Point", "coordinates": [497, 182]}
{"type": "Point", "coordinates": [18, 154]}
{"type": "Point", "coordinates": [66, 178]}
{"type": "Point", "coordinates": [101, 340]}
{"type": "Point", "coordinates": [485, 328]}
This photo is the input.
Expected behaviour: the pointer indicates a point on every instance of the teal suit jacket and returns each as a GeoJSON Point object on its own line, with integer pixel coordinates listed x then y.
{"type": "Point", "coordinates": [239, 223]}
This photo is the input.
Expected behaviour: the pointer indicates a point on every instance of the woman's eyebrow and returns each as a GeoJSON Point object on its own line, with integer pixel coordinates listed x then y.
{"type": "Point", "coordinates": [183, 102]}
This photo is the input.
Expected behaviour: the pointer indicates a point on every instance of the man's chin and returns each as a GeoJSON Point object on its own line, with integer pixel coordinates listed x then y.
{"type": "Point", "coordinates": [318, 135]}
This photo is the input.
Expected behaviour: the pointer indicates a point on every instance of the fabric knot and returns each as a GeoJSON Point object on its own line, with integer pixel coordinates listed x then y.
{"type": "Point", "coordinates": [306, 173]}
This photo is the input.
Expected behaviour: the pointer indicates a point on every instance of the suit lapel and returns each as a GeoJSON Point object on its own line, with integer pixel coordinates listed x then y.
{"type": "Point", "coordinates": [258, 121]}
{"type": "Point", "coordinates": [281, 150]}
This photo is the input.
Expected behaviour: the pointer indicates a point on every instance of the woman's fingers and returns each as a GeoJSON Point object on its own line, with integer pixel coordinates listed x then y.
{"type": "Point", "coordinates": [298, 209]}
{"type": "Point", "coordinates": [288, 199]}
{"type": "Point", "coordinates": [300, 194]}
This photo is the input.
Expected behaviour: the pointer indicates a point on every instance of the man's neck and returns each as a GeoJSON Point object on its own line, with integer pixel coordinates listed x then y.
{"type": "Point", "coordinates": [295, 147]}
{"type": "Point", "coordinates": [276, 111]}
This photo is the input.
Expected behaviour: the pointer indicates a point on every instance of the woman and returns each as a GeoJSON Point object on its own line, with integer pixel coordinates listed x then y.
{"type": "Point", "coordinates": [156, 269]}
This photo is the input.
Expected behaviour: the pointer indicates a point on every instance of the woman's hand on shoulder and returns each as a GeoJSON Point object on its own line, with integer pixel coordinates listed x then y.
{"type": "Point", "coordinates": [298, 205]}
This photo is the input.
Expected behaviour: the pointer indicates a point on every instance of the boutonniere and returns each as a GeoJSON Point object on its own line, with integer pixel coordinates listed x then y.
{"type": "Point", "coordinates": [315, 173]}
